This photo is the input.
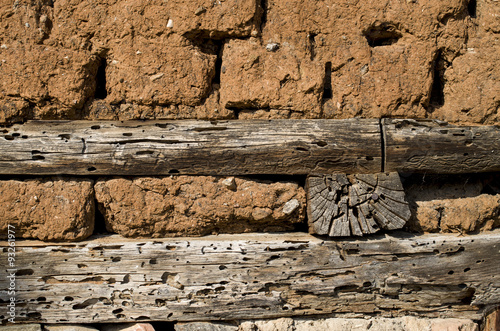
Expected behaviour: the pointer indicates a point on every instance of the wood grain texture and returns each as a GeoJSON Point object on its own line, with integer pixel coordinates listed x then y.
{"type": "Point", "coordinates": [343, 205]}
{"type": "Point", "coordinates": [230, 277]}
{"type": "Point", "coordinates": [293, 147]}
{"type": "Point", "coordinates": [437, 147]}
{"type": "Point", "coordinates": [191, 147]}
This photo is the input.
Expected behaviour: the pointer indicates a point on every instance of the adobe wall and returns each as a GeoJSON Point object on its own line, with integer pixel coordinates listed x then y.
{"type": "Point", "coordinates": [200, 59]}
{"type": "Point", "coordinates": [242, 59]}
{"type": "Point", "coordinates": [234, 59]}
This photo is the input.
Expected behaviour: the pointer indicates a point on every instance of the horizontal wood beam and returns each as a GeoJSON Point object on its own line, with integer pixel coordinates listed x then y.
{"type": "Point", "coordinates": [293, 147]}
{"type": "Point", "coordinates": [440, 148]}
{"type": "Point", "coordinates": [230, 277]}
{"type": "Point", "coordinates": [191, 147]}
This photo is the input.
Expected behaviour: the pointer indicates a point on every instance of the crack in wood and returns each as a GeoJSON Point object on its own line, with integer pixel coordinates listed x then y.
{"type": "Point", "coordinates": [84, 147]}
{"type": "Point", "coordinates": [138, 141]}
{"type": "Point", "coordinates": [382, 145]}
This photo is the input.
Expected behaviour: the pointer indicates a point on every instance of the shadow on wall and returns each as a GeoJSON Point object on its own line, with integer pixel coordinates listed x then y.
{"type": "Point", "coordinates": [446, 203]}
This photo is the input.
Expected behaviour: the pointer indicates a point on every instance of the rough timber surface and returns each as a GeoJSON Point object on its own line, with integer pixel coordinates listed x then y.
{"type": "Point", "coordinates": [440, 148]}
{"type": "Point", "coordinates": [191, 147]}
{"type": "Point", "coordinates": [231, 277]}
{"type": "Point", "coordinates": [343, 205]}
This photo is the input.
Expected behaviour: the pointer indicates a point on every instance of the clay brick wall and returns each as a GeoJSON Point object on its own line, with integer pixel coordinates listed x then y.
{"type": "Point", "coordinates": [241, 59]}
{"type": "Point", "coordinates": [233, 59]}
{"type": "Point", "coordinates": [202, 59]}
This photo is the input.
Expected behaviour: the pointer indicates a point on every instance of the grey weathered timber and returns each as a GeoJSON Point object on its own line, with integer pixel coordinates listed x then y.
{"type": "Point", "coordinates": [437, 147]}
{"type": "Point", "coordinates": [191, 147]}
{"type": "Point", "coordinates": [293, 147]}
{"type": "Point", "coordinates": [343, 205]}
{"type": "Point", "coordinates": [231, 277]}
{"type": "Point", "coordinates": [247, 147]}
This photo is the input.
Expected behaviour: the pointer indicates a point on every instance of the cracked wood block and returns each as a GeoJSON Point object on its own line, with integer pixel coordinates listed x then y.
{"type": "Point", "coordinates": [344, 205]}
{"type": "Point", "coordinates": [231, 277]}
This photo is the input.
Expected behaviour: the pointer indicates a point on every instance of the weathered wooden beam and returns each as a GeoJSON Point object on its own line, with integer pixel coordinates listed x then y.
{"type": "Point", "coordinates": [191, 147]}
{"type": "Point", "coordinates": [294, 147]}
{"type": "Point", "coordinates": [250, 276]}
{"type": "Point", "coordinates": [437, 147]}
{"type": "Point", "coordinates": [343, 205]}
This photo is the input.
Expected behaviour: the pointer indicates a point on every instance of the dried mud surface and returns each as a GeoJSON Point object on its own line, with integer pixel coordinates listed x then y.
{"type": "Point", "coordinates": [460, 204]}
{"type": "Point", "coordinates": [201, 59]}
{"type": "Point", "coordinates": [198, 205]}
{"type": "Point", "coordinates": [52, 209]}
{"type": "Point", "coordinates": [63, 208]}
